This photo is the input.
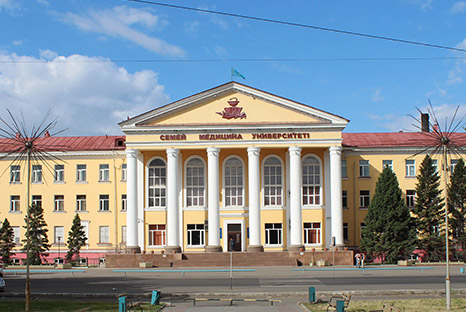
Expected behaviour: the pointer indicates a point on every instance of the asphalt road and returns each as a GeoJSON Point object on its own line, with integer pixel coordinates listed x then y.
{"type": "Point", "coordinates": [281, 281]}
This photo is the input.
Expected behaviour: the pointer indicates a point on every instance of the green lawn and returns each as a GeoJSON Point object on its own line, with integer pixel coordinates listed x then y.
{"type": "Point", "coordinates": [406, 305]}
{"type": "Point", "coordinates": [73, 305]}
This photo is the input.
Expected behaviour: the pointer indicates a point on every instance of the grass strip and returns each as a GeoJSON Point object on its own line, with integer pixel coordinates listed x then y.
{"type": "Point", "coordinates": [405, 305]}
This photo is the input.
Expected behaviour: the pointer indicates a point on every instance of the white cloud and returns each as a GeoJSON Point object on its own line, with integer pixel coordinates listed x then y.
{"type": "Point", "coordinates": [377, 97]}
{"type": "Point", "coordinates": [443, 112]}
{"type": "Point", "coordinates": [117, 23]}
{"type": "Point", "coordinates": [89, 95]}
{"type": "Point", "coordinates": [423, 4]}
{"type": "Point", "coordinates": [8, 5]}
{"type": "Point", "coordinates": [192, 28]}
{"type": "Point", "coordinates": [458, 7]}
{"type": "Point", "coordinates": [455, 76]}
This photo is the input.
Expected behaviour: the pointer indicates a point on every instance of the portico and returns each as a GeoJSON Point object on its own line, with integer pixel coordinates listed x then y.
{"type": "Point", "coordinates": [233, 163]}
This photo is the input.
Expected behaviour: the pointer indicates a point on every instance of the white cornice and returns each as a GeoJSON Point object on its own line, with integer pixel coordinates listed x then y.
{"type": "Point", "coordinates": [132, 124]}
{"type": "Point", "coordinates": [219, 143]}
{"type": "Point", "coordinates": [384, 150]}
{"type": "Point", "coordinates": [65, 154]}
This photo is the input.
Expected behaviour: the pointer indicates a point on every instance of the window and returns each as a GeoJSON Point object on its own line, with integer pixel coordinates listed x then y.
{"type": "Point", "coordinates": [104, 203]}
{"type": "Point", "coordinates": [344, 169]}
{"type": "Point", "coordinates": [59, 235]}
{"type": "Point", "coordinates": [81, 173]}
{"type": "Point", "coordinates": [157, 234]}
{"type": "Point", "coordinates": [312, 233]}
{"type": "Point", "coordinates": [124, 172]}
{"type": "Point", "coordinates": [104, 172]}
{"type": "Point", "coordinates": [196, 234]}
{"type": "Point", "coordinates": [104, 237]}
{"type": "Point", "coordinates": [362, 227]}
{"type": "Point", "coordinates": [59, 175]}
{"type": "Point", "coordinates": [81, 203]}
{"type": "Point", "coordinates": [410, 198]}
{"type": "Point", "coordinates": [157, 183]}
{"type": "Point", "coordinates": [387, 163]}
{"type": "Point", "coordinates": [85, 224]}
{"type": "Point", "coordinates": [345, 232]}
{"type": "Point", "coordinates": [59, 203]}
{"type": "Point", "coordinates": [233, 182]}
{"type": "Point", "coordinates": [195, 183]}
{"type": "Point", "coordinates": [36, 173]}
{"type": "Point", "coordinates": [16, 235]}
{"type": "Point", "coordinates": [311, 181]}
{"type": "Point", "coordinates": [272, 182]}
{"type": "Point", "coordinates": [410, 168]}
{"type": "Point", "coordinates": [364, 199]}
{"type": "Point", "coordinates": [453, 163]}
{"type": "Point", "coordinates": [37, 200]}
{"type": "Point", "coordinates": [435, 164]}
{"type": "Point", "coordinates": [123, 202]}
{"type": "Point", "coordinates": [15, 203]}
{"type": "Point", "coordinates": [273, 233]}
{"type": "Point", "coordinates": [15, 174]}
{"type": "Point", "coordinates": [364, 168]}
{"type": "Point", "coordinates": [344, 199]}
{"type": "Point", "coordinates": [123, 234]}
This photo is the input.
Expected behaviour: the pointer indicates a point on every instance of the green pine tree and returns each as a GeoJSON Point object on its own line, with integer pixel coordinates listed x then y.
{"type": "Point", "coordinates": [428, 212]}
{"type": "Point", "coordinates": [76, 239]}
{"type": "Point", "coordinates": [390, 230]}
{"type": "Point", "coordinates": [38, 240]}
{"type": "Point", "coordinates": [457, 205]}
{"type": "Point", "coordinates": [7, 242]}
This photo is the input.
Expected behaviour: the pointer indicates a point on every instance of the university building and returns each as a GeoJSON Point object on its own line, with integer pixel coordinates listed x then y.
{"type": "Point", "coordinates": [230, 168]}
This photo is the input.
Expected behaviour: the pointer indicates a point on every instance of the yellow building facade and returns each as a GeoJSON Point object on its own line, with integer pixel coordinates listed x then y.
{"type": "Point", "coordinates": [230, 168]}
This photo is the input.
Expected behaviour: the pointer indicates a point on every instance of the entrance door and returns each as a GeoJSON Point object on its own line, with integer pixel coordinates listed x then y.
{"type": "Point", "coordinates": [234, 237]}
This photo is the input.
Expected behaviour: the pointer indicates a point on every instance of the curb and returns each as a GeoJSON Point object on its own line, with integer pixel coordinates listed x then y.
{"type": "Point", "coordinates": [182, 296]}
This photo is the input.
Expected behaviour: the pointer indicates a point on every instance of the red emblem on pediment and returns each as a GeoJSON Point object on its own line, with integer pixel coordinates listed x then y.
{"type": "Point", "coordinates": [232, 112]}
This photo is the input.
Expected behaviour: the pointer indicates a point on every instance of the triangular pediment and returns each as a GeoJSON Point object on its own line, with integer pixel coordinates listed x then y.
{"type": "Point", "coordinates": [232, 104]}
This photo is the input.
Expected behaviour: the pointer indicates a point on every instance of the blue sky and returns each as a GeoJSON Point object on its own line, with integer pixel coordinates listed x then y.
{"type": "Point", "coordinates": [86, 60]}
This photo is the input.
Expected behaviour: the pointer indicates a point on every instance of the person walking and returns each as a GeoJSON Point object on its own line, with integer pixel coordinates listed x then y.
{"type": "Point", "coordinates": [358, 260]}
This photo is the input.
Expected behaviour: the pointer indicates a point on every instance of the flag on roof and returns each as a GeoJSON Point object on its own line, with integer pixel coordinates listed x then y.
{"type": "Point", "coordinates": [234, 73]}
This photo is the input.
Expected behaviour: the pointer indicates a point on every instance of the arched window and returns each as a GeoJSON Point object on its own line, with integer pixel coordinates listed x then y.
{"type": "Point", "coordinates": [195, 183]}
{"type": "Point", "coordinates": [273, 177]}
{"type": "Point", "coordinates": [233, 182]}
{"type": "Point", "coordinates": [311, 181]}
{"type": "Point", "coordinates": [157, 183]}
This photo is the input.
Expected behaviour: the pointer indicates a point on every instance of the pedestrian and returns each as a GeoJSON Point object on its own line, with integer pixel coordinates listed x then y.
{"type": "Point", "coordinates": [363, 257]}
{"type": "Point", "coordinates": [358, 260]}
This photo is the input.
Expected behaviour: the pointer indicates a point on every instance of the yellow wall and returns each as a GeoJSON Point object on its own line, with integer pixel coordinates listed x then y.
{"type": "Point", "coordinates": [48, 189]}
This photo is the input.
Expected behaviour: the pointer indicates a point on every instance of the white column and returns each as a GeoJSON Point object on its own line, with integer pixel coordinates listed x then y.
{"type": "Point", "coordinates": [173, 242]}
{"type": "Point", "coordinates": [213, 200]}
{"type": "Point", "coordinates": [296, 230]}
{"type": "Point", "coordinates": [336, 195]}
{"type": "Point", "coordinates": [132, 201]}
{"type": "Point", "coordinates": [254, 200]}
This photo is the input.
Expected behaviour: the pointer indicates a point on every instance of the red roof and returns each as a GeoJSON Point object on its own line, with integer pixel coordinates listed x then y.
{"type": "Point", "coordinates": [399, 139]}
{"type": "Point", "coordinates": [81, 143]}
